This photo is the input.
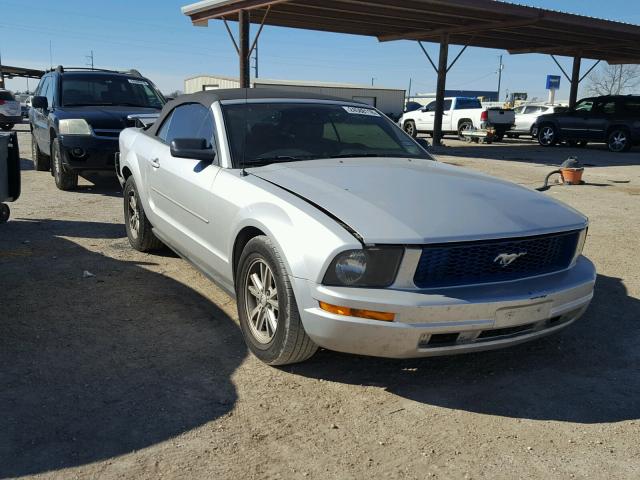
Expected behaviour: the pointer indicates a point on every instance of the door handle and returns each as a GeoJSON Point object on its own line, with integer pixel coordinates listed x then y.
{"type": "Point", "coordinates": [155, 163]}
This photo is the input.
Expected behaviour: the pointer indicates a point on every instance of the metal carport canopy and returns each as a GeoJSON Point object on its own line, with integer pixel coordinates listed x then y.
{"type": "Point", "coordinates": [477, 23]}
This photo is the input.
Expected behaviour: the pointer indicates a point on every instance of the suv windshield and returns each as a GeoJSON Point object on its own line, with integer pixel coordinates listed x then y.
{"type": "Point", "coordinates": [96, 89]}
{"type": "Point", "coordinates": [264, 133]}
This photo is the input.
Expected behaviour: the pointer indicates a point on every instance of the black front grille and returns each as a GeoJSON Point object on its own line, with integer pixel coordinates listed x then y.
{"type": "Point", "coordinates": [456, 264]}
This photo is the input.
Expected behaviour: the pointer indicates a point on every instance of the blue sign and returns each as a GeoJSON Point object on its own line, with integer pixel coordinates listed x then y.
{"type": "Point", "coordinates": [553, 82]}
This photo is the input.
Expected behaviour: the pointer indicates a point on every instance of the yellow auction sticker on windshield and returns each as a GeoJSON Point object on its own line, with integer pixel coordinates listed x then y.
{"type": "Point", "coordinates": [361, 111]}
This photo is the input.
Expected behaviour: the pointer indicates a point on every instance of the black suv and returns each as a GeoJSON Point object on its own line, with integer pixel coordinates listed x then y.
{"type": "Point", "coordinates": [614, 120]}
{"type": "Point", "coordinates": [78, 114]}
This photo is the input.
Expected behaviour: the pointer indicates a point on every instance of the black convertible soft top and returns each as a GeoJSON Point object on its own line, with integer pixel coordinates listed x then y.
{"type": "Point", "coordinates": [209, 97]}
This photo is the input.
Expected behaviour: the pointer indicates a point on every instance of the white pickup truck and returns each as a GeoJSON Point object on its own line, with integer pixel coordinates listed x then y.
{"type": "Point", "coordinates": [460, 113]}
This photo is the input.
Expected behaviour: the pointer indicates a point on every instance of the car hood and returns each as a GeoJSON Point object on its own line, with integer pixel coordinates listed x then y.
{"type": "Point", "coordinates": [104, 117]}
{"type": "Point", "coordinates": [403, 201]}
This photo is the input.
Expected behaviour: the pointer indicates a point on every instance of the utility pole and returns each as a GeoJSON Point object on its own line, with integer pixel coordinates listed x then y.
{"type": "Point", "coordinates": [500, 68]}
{"type": "Point", "coordinates": [373, 80]}
{"type": "Point", "coordinates": [50, 56]}
{"type": "Point", "coordinates": [1, 72]}
{"type": "Point", "coordinates": [90, 60]}
{"type": "Point", "coordinates": [409, 91]}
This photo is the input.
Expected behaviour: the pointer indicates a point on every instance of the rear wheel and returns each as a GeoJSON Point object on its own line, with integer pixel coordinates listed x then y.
{"type": "Point", "coordinates": [139, 230]}
{"type": "Point", "coordinates": [267, 307]}
{"type": "Point", "coordinates": [463, 127]}
{"type": "Point", "coordinates": [6, 126]}
{"type": "Point", "coordinates": [619, 140]}
{"type": "Point", "coordinates": [41, 162]}
{"type": "Point", "coordinates": [64, 179]}
{"type": "Point", "coordinates": [547, 135]}
{"type": "Point", "coordinates": [410, 128]}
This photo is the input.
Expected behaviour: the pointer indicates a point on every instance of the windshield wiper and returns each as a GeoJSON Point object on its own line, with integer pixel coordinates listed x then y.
{"type": "Point", "coordinates": [261, 162]}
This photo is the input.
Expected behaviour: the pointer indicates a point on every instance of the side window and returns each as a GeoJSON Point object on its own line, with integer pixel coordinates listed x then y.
{"type": "Point", "coordinates": [632, 107]}
{"type": "Point", "coordinates": [431, 107]}
{"type": "Point", "coordinates": [189, 121]}
{"type": "Point", "coordinates": [50, 91]}
{"type": "Point", "coordinates": [447, 105]}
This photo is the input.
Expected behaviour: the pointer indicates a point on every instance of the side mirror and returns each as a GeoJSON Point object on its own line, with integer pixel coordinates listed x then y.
{"type": "Point", "coordinates": [194, 148]}
{"type": "Point", "coordinates": [40, 102]}
{"type": "Point", "coordinates": [423, 143]}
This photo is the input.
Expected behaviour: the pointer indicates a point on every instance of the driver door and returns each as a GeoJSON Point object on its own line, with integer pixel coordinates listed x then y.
{"type": "Point", "coordinates": [180, 189]}
{"type": "Point", "coordinates": [424, 120]}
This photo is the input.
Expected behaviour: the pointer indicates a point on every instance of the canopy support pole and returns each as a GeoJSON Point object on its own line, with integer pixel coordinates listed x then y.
{"type": "Point", "coordinates": [575, 81]}
{"type": "Point", "coordinates": [245, 72]}
{"type": "Point", "coordinates": [440, 89]}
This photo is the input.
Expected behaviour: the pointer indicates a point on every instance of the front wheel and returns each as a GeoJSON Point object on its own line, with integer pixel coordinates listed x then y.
{"type": "Point", "coordinates": [547, 135]}
{"type": "Point", "coordinates": [139, 229]}
{"type": "Point", "coordinates": [64, 179]}
{"type": "Point", "coordinates": [41, 162]}
{"type": "Point", "coordinates": [410, 128]}
{"type": "Point", "coordinates": [5, 213]}
{"type": "Point", "coordinates": [267, 307]}
{"type": "Point", "coordinates": [619, 141]}
{"type": "Point", "coordinates": [6, 126]}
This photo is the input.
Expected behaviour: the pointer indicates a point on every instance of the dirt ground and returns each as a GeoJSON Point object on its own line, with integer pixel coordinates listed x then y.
{"type": "Point", "coordinates": [139, 370]}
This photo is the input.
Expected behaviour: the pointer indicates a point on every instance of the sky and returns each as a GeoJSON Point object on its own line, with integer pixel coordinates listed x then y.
{"type": "Point", "coordinates": [154, 37]}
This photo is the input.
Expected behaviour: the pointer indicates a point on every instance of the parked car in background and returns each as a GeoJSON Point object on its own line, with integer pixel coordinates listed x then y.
{"type": "Point", "coordinates": [334, 228]}
{"type": "Point", "coordinates": [78, 114]}
{"type": "Point", "coordinates": [526, 116]}
{"type": "Point", "coordinates": [614, 120]}
{"type": "Point", "coordinates": [412, 107]}
{"type": "Point", "coordinates": [25, 104]}
{"type": "Point", "coordinates": [9, 110]}
{"type": "Point", "coordinates": [460, 113]}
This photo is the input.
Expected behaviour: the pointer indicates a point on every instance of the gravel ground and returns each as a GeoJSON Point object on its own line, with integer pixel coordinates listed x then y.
{"type": "Point", "coordinates": [138, 370]}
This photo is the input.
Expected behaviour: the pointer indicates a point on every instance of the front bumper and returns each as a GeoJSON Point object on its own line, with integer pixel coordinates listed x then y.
{"type": "Point", "coordinates": [447, 321]}
{"type": "Point", "coordinates": [10, 118]}
{"type": "Point", "coordinates": [89, 152]}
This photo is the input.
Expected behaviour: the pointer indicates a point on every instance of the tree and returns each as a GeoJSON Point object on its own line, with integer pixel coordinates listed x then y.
{"type": "Point", "coordinates": [174, 94]}
{"type": "Point", "coordinates": [614, 80]}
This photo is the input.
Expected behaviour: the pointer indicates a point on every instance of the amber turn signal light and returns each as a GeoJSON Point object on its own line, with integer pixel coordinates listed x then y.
{"type": "Point", "coordinates": [356, 312]}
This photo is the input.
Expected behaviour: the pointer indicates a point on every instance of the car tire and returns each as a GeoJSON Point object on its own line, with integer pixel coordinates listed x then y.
{"type": "Point", "coordinates": [466, 125]}
{"type": "Point", "coordinates": [582, 144]}
{"type": "Point", "coordinates": [5, 213]}
{"type": "Point", "coordinates": [64, 180]}
{"type": "Point", "coordinates": [6, 126]}
{"type": "Point", "coordinates": [139, 229]}
{"type": "Point", "coordinates": [410, 128]}
{"type": "Point", "coordinates": [267, 308]}
{"type": "Point", "coordinates": [619, 140]}
{"type": "Point", "coordinates": [547, 135]}
{"type": "Point", "coordinates": [41, 162]}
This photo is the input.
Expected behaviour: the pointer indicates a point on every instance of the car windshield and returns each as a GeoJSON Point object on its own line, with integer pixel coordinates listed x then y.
{"type": "Point", "coordinates": [95, 89]}
{"type": "Point", "coordinates": [264, 133]}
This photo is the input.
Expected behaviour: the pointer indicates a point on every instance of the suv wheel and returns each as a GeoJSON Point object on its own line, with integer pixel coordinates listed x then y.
{"type": "Point", "coordinates": [41, 162]}
{"type": "Point", "coordinates": [267, 307]}
{"type": "Point", "coordinates": [619, 141]}
{"type": "Point", "coordinates": [64, 180]}
{"type": "Point", "coordinates": [139, 230]}
{"type": "Point", "coordinates": [547, 135]}
{"type": "Point", "coordinates": [410, 128]}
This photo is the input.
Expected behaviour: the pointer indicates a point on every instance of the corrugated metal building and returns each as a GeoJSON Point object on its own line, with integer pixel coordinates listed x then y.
{"type": "Point", "coordinates": [388, 100]}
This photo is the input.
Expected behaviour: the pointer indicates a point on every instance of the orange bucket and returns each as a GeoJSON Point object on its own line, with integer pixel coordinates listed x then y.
{"type": "Point", "coordinates": [572, 176]}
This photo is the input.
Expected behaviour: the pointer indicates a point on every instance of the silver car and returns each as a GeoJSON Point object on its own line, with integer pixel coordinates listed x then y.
{"type": "Point", "coordinates": [333, 228]}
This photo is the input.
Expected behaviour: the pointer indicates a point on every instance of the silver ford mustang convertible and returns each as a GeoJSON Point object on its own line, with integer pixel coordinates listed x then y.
{"type": "Point", "coordinates": [333, 228]}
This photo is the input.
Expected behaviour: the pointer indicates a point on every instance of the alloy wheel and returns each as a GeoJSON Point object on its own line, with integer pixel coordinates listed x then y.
{"type": "Point", "coordinates": [618, 141]}
{"type": "Point", "coordinates": [408, 127]}
{"type": "Point", "coordinates": [261, 302]}
{"type": "Point", "coordinates": [134, 215]}
{"type": "Point", "coordinates": [547, 135]}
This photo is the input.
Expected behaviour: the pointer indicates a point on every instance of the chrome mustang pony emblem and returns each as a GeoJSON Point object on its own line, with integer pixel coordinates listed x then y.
{"type": "Point", "coordinates": [506, 259]}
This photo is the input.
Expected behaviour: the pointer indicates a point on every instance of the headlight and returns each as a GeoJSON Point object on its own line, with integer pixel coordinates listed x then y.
{"type": "Point", "coordinates": [372, 267]}
{"type": "Point", "coordinates": [75, 126]}
{"type": "Point", "coordinates": [580, 246]}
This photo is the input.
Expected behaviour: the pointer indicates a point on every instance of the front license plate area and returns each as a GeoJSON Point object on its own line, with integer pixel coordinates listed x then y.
{"type": "Point", "coordinates": [514, 316]}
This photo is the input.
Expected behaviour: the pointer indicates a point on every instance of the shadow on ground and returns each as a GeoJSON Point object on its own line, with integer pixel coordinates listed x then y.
{"type": "Point", "coordinates": [595, 155]}
{"type": "Point", "coordinates": [587, 374]}
{"type": "Point", "coordinates": [98, 367]}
